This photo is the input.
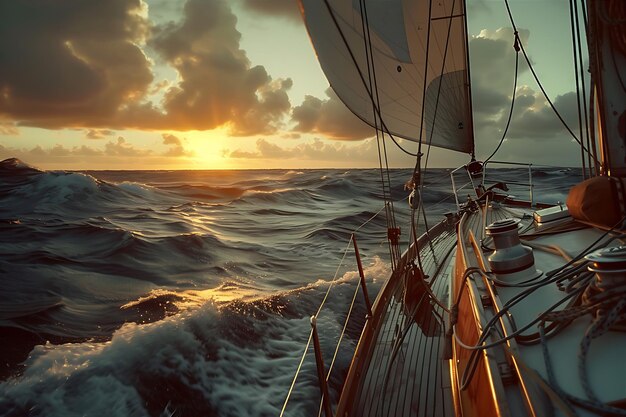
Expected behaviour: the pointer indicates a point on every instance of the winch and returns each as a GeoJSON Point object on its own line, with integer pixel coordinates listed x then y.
{"type": "Point", "coordinates": [510, 260]}
{"type": "Point", "coordinates": [609, 265]}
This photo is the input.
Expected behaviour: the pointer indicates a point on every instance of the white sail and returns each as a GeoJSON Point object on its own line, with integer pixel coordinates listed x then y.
{"type": "Point", "coordinates": [399, 35]}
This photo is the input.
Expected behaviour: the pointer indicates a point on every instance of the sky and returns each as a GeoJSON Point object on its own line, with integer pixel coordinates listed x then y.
{"type": "Point", "coordinates": [235, 84]}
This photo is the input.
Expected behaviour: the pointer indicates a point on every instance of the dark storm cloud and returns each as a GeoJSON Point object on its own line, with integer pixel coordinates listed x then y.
{"type": "Point", "coordinates": [329, 117]}
{"type": "Point", "coordinates": [80, 63]}
{"type": "Point", "coordinates": [493, 69]}
{"type": "Point", "coordinates": [70, 62]}
{"type": "Point", "coordinates": [493, 65]}
{"type": "Point", "coordinates": [535, 119]}
{"type": "Point", "coordinates": [219, 85]}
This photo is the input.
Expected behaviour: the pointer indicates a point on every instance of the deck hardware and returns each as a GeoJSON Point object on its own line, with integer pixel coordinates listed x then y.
{"type": "Point", "coordinates": [393, 234]}
{"type": "Point", "coordinates": [486, 300]}
{"type": "Point", "coordinates": [362, 276]}
{"type": "Point", "coordinates": [609, 265]}
{"type": "Point", "coordinates": [506, 373]}
{"type": "Point", "coordinates": [321, 371]}
{"type": "Point", "coordinates": [511, 259]}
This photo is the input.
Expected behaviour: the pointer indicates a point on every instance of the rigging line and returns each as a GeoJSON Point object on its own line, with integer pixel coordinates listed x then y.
{"type": "Point", "coordinates": [370, 70]}
{"type": "Point", "coordinates": [468, 91]}
{"type": "Point", "coordinates": [356, 66]}
{"type": "Point", "coordinates": [419, 147]}
{"type": "Point", "coordinates": [295, 377]}
{"type": "Point", "coordinates": [369, 220]}
{"type": "Point", "coordinates": [443, 68]}
{"type": "Point", "coordinates": [575, 56]}
{"type": "Point", "coordinates": [343, 331]}
{"type": "Point", "coordinates": [345, 252]}
{"type": "Point", "coordinates": [368, 44]}
{"type": "Point", "coordinates": [545, 94]}
{"type": "Point", "coordinates": [320, 308]}
{"type": "Point", "coordinates": [592, 124]}
{"type": "Point", "coordinates": [371, 75]}
{"type": "Point", "coordinates": [584, 88]}
{"type": "Point", "coordinates": [551, 277]}
{"type": "Point", "coordinates": [432, 131]}
{"type": "Point", "coordinates": [481, 343]}
{"type": "Point", "coordinates": [474, 357]}
{"type": "Point", "coordinates": [508, 122]}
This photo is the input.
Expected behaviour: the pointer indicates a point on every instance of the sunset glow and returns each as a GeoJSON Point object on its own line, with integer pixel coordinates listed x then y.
{"type": "Point", "coordinates": [214, 84]}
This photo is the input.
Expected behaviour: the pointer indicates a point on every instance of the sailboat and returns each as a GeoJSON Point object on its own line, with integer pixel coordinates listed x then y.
{"type": "Point", "coordinates": [507, 306]}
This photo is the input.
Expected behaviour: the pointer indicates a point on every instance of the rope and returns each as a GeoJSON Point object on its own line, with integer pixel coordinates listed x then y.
{"type": "Point", "coordinates": [343, 331]}
{"type": "Point", "coordinates": [308, 343]}
{"type": "Point", "coordinates": [369, 220]}
{"type": "Point", "coordinates": [295, 377]}
{"type": "Point", "coordinates": [345, 252]}
{"type": "Point", "coordinates": [575, 56]}
{"type": "Point", "coordinates": [356, 66]}
{"type": "Point", "coordinates": [532, 70]}
{"type": "Point", "coordinates": [551, 277]}
{"type": "Point", "coordinates": [508, 122]}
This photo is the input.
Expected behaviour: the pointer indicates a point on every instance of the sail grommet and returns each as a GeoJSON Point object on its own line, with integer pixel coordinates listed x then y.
{"type": "Point", "coordinates": [510, 260]}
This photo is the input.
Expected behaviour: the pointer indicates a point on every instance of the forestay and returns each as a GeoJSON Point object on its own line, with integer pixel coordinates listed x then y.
{"type": "Point", "coordinates": [397, 75]}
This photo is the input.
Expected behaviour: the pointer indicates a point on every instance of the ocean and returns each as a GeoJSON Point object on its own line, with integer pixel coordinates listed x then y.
{"type": "Point", "coordinates": [189, 293]}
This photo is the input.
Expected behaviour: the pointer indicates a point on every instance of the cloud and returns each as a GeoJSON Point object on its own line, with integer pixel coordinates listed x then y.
{"type": "Point", "coordinates": [169, 139]}
{"type": "Point", "coordinates": [218, 83]}
{"type": "Point", "coordinates": [8, 129]}
{"type": "Point", "coordinates": [316, 150]}
{"type": "Point", "coordinates": [98, 133]}
{"type": "Point", "coordinates": [71, 62]}
{"type": "Point", "coordinates": [330, 118]}
{"type": "Point", "coordinates": [278, 8]}
{"type": "Point", "coordinates": [84, 64]}
{"type": "Point", "coordinates": [176, 146]}
{"type": "Point", "coordinates": [57, 151]}
{"type": "Point", "coordinates": [122, 148]}
{"type": "Point", "coordinates": [493, 66]}
{"type": "Point", "coordinates": [115, 152]}
{"type": "Point", "coordinates": [535, 119]}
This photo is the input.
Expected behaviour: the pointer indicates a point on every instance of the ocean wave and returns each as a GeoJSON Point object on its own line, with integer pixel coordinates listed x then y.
{"type": "Point", "coordinates": [185, 293]}
{"type": "Point", "coordinates": [215, 360]}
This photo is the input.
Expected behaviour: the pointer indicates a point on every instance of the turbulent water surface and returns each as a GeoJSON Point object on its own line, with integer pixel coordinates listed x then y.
{"type": "Point", "coordinates": [187, 293]}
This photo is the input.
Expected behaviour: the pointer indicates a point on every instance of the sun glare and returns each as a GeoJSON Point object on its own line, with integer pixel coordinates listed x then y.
{"type": "Point", "coordinates": [208, 149]}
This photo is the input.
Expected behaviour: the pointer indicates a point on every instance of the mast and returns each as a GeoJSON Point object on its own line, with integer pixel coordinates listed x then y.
{"type": "Point", "coordinates": [607, 58]}
{"type": "Point", "coordinates": [469, 82]}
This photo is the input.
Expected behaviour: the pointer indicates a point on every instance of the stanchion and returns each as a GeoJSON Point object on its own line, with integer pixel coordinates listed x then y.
{"type": "Point", "coordinates": [362, 275]}
{"type": "Point", "coordinates": [321, 372]}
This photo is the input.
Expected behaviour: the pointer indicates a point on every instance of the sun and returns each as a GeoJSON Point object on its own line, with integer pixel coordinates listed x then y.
{"type": "Point", "coordinates": [209, 149]}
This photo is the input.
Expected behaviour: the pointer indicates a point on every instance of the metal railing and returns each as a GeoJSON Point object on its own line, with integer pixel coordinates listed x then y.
{"type": "Point", "coordinates": [529, 184]}
{"type": "Point", "coordinates": [322, 373]}
{"type": "Point", "coordinates": [456, 189]}
{"type": "Point", "coordinates": [465, 185]}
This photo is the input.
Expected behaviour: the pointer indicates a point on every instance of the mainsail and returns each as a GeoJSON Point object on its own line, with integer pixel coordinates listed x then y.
{"type": "Point", "coordinates": [404, 62]}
